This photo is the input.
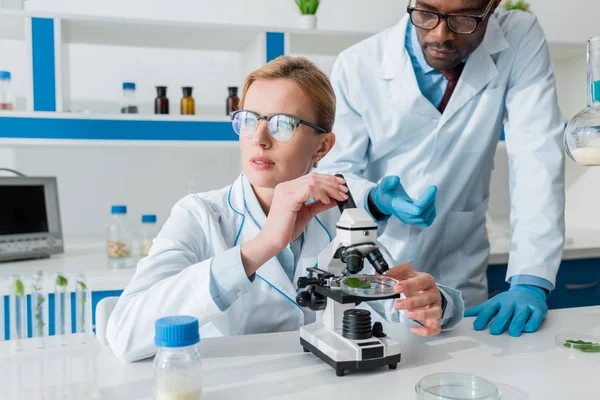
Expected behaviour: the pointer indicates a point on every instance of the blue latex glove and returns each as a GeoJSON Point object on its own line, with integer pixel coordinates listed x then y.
{"type": "Point", "coordinates": [391, 199]}
{"type": "Point", "coordinates": [522, 306]}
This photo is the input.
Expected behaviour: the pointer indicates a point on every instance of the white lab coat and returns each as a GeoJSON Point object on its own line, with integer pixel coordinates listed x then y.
{"type": "Point", "coordinates": [385, 126]}
{"type": "Point", "coordinates": [175, 277]}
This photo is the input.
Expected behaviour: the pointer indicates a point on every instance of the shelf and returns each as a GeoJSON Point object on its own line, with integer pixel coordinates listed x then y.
{"type": "Point", "coordinates": [22, 128]}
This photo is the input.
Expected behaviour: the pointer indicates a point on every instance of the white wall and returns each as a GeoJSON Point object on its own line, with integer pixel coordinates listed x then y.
{"type": "Point", "coordinates": [149, 180]}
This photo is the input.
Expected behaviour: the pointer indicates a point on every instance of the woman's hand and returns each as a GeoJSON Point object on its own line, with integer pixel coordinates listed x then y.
{"type": "Point", "coordinates": [289, 215]}
{"type": "Point", "coordinates": [423, 300]}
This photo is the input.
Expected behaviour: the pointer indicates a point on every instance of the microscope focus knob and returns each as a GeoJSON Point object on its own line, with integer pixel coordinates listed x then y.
{"type": "Point", "coordinates": [303, 299]}
{"type": "Point", "coordinates": [378, 330]}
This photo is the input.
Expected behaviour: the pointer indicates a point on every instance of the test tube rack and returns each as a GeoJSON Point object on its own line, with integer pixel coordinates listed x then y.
{"type": "Point", "coordinates": [33, 364]}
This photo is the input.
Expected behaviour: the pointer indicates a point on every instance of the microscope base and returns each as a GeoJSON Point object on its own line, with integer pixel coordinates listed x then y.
{"type": "Point", "coordinates": [348, 355]}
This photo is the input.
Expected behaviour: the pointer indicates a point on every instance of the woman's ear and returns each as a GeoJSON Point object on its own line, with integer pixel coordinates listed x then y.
{"type": "Point", "coordinates": [327, 142]}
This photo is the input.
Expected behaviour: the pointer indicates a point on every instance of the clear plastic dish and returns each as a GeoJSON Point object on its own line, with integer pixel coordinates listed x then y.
{"type": "Point", "coordinates": [579, 342]}
{"type": "Point", "coordinates": [378, 286]}
{"type": "Point", "coordinates": [454, 386]}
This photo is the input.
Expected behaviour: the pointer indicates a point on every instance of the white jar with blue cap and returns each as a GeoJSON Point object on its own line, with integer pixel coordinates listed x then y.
{"type": "Point", "coordinates": [119, 239]}
{"type": "Point", "coordinates": [7, 96]}
{"type": "Point", "coordinates": [177, 365]}
{"type": "Point", "coordinates": [129, 102]}
{"type": "Point", "coordinates": [147, 234]}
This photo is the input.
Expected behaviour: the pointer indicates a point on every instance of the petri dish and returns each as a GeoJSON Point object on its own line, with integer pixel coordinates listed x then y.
{"type": "Point", "coordinates": [455, 386]}
{"type": "Point", "coordinates": [578, 342]}
{"type": "Point", "coordinates": [372, 285]}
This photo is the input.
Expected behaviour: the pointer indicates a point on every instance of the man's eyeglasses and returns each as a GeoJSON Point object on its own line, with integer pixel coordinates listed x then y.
{"type": "Point", "coordinates": [457, 23]}
{"type": "Point", "coordinates": [281, 126]}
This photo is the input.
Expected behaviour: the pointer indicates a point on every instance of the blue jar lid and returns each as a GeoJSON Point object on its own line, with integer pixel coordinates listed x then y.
{"type": "Point", "coordinates": [129, 85]}
{"type": "Point", "coordinates": [4, 75]}
{"type": "Point", "coordinates": [148, 219]}
{"type": "Point", "coordinates": [118, 210]}
{"type": "Point", "coordinates": [177, 331]}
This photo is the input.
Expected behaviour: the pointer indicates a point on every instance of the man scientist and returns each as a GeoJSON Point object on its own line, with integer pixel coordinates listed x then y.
{"type": "Point", "coordinates": [420, 109]}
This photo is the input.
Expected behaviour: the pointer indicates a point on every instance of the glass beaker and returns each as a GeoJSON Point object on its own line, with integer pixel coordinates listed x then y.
{"type": "Point", "coordinates": [582, 135]}
{"type": "Point", "coordinates": [455, 386]}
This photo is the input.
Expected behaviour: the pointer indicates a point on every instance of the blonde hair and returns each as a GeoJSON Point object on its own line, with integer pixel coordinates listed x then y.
{"type": "Point", "coordinates": [313, 82]}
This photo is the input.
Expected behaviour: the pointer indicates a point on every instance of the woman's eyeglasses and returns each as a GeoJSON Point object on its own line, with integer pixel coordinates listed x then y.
{"type": "Point", "coordinates": [457, 23]}
{"type": "Point", "coordinates": [281, 126]}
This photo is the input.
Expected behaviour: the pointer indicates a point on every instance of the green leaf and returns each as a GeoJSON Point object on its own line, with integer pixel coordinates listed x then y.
{"type": "Point", "coordinates": [358, 283]}
{"type": "Point", "coordinates": [19, 288]}
{"type": "Point", "coordinates": [61, 281]}
{"type": "Point", "coordinates": [81, 285]}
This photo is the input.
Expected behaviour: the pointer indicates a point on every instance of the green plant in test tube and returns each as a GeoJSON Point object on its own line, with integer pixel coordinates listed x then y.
{"type": "Point", "coordinates": [60, 300]}
{"type": "Point", "coordinates": [38, 301]}
{"type": "Point", "coordinates": [18, 312]}
{"type": "Point", "coordinates": [82, 294]}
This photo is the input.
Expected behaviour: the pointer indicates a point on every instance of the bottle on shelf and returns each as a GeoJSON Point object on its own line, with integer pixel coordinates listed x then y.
{"type": "Point", "coordinates": [7, 96]}
{"type": "Point", "coordinates": [129, 102]}
{"type": "Point", "coordinates": [233, 101]}
{"type": "Point", "coordinates": [161, 103]}
{"type": "Point", "coordinates": [188, 105]}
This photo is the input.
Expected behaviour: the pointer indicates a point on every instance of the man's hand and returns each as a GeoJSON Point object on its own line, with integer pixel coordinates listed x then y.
{"type": "Point", "coordinates": [521, 309]}
{"type": "Point", "coordinates": [390, 198]}
{"type": "Point", "coordinates": [423, 300]}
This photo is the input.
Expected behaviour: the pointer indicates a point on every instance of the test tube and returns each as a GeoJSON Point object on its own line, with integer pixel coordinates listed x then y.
{"type": "Point", "coordinates": [18, 311]}
{"type": "Point", "coordinates": [2, 294]}
{"type": "Point", "coordinates": [83, 306]}
{"type": "Point", "coordinates": [61, 307]}
{"type": "Point", "coordinates": [39, 308]}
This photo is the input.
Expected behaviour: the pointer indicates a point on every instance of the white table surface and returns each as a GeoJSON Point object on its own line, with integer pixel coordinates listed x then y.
{"type": "Point", "coordinates": [89, 255]}
{"type": "Point", "coordinates": [273, 366]}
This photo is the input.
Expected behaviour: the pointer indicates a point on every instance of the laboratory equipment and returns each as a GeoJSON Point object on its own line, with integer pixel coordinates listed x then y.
{"type": "Point", "coordinates": [7, 96]}
{"type": "Point", "coordinates": [233, 101]}
{"type": "Point", "coordinates": [368, 285]}
{"type": "Point", "coordinates": [62, 306]}
{"type": "Point", "coordinates": [120, 239]}
{"type": "Point", "coordinates": [177, 365]}
{"type": "Point", "coordinates": [455, 386]}
{"type": "Point", "coordinates": [83, 306]}
{"type": "Point", "coordinates": [63, 366]}
{"type": "Point", "coordinates": [37, 233]}
{"type": "Point", "coordinates": [39, 307]}
{"type": "Point", "coordinates": [18, 311]}
{"type": "Point", "coordinates": [343, 336]}
{"type": "Point", "coordinates": [129, 102]}
{"type": "Point", "coordinates": [578, 342]}
{"type": "Point", "coordinates": [147, 233]}
{"type": "Point", "coordinates": [188, 105]}
{"type": "Point", "coordinates": [161, 103]}
{"type": "Point", "coordinates": [582, 135]}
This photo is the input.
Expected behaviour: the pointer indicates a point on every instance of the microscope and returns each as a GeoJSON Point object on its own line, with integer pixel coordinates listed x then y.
{"type": "Point", "coordinates": [342, 335]}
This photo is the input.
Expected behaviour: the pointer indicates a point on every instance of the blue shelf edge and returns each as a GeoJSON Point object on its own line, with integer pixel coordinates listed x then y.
{"type": "Point", "coordinates": [107, 129]}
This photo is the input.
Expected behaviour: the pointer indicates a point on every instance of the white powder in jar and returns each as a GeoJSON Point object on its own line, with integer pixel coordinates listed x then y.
{"type": "Point", "coordinates": [587, 155]}
{"type": "Point", "coordinates": [178, 387]}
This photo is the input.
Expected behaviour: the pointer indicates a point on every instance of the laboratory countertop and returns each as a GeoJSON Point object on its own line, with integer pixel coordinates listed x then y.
{"type": "Point", "coordinates": [273, 366]}
{"type": "Point", "coordinates": [89, 255]}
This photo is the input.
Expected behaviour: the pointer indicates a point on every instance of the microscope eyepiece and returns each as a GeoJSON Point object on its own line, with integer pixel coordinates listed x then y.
{"type": "Point", "coordinates": [377, 261]}
{"type": "Point", "coordinates": [349, 202]}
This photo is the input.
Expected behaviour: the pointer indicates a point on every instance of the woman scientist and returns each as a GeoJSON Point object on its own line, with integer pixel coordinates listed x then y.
{"type": "Point", "coordinates": [232, 257]}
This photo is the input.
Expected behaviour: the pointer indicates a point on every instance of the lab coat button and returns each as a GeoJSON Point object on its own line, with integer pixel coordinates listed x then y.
{"type": "Point", "coordinates": [240, 294]}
